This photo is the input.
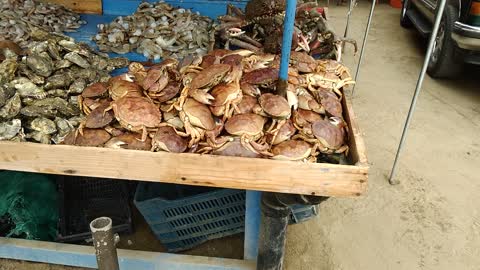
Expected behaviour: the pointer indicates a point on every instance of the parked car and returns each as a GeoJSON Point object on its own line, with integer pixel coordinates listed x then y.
{"type": "Point", "coordinates": [458, 38]}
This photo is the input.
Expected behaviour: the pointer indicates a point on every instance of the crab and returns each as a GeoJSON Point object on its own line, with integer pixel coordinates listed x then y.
{"type": "Point", "coordinates": [236, 148]}
{"type": "Point", "coordinates": [158, 76]}
{"type": "Point", "coordinates": [246, 105]}
{"type": "Point", "coordinates": [328, 136]}
{"type": "Point", "coordinates": [303, 62]}
{"type": "Point", "coordinates": [273, 106]}
{"type": "Point", "coordinates": [136, 114]}
{"type": "Point", "coordinates": [129, 141]}
{"type": "Point", "coordinates": [197, 119]}
{"type": "Point", "coordinates": [249, 127]}
{"type": "Point", "coordinates": [98, 118]}
{"type": "Point", "coordinates": [167, 139]}
{"type": "Point", "coordinates": [226, 98]}
{"type": "Point", "coordinates": [302, 119]}
{"type": "Point", "coordinates": [90, 94]}
{"type": "Point", "coordinates": [264, 77]}
{"type": "Point", "coordinates": [202, 82]}
{"type": "Point", "coordinates": [285, 132]}
{"type": "Point", "coordinates": [123, 86]}
{"type": "Point", "coordinates": [292, 150]}
{"type": "Point", "coordinates": [326, 80]}
{"type": "Point", "coordinates": [90, 137]}
{"type": "Point", "coordinates": [306, 101]}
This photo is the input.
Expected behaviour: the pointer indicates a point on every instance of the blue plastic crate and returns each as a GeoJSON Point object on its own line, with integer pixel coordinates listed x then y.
{"type": "Point", "coordinates": [182, 217]}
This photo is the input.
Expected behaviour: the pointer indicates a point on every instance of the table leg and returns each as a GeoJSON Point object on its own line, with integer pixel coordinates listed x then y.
{"type": "Point", "coordinates": [252, 225]}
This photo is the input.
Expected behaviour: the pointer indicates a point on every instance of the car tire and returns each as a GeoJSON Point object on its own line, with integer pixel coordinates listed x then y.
{"type": "Point", "coordinates": [443, 62]}
{"type": "Point", "coordinates": [405, 21]}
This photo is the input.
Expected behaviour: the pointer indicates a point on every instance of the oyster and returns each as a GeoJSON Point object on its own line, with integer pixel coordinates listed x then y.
{"type": "Point", "coordinates": [59, 80]}
{"type": "Point", "coordinates": [37, 111]}
{"type": "Point", "coordinates": [11, 108]}
{"type": "Point", "coordinates": [26, 88]}
{"type": "Point", "coordinates": [77, 59]}
{"type": "Point", "coordinates": [5, 93]}
{"type": "Point", "coordinates": [40, 63]}
{"type": "Point", "coordinates": [77, 86]}
{"type": "Point", "coordinates": [10, 129]}
{"type": "Point", "coordinates": [39, 137]}
{"type": "Point", "coordinates": [7, 70]}
{"type": "Point", "coordinates": [43, 125]}
{"type": "Point", "coordinates": [62, 106]}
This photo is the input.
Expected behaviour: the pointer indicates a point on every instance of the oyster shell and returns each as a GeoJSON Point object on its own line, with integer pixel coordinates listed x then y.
{"type": "Point", "coordinates": [43, 125]}
{"type": "Point", "coordinates": [40, 63]}
{"type": "Point", "coordinates": [10, 129]}
{"type": "Point", "coordinates": [11, 108]}
{"type": "Point", "coordinates": [26, 88]}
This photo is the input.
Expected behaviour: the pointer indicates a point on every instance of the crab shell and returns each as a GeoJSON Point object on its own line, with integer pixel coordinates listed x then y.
{"type": "Point", "coordinates": [166, 139]}
{"type": "Point", "coordinates": [292, 150]}
{"type": "Point", "coordinates": [303, 62]}
{"type": "Point", "coordinates": [224, 93]}
{"type": "Point", "coordinates": [286, 131]}
{"type": "Point", "coordinates": [235, 148]}
{"type": "Point", "coordinates": [95, 90]}
{"type": "Point", "coordinates": [275, 106]}
{"type": "Point", "coordinates": [330, 135]}
{"type": "Point", "coordinates": [129, 141]}
{"type": "Point", "coordinates": [90, 137]}
{"type": "Point", "coordinates": [138, 71]}
{"type": "Point", "coordinates": [136, 113]}
{"type": "Point", "coordinates": [156, 80]}
{"type": "Point", "coordinates": [198, 114]}
{"type": "Point", "coordinates": [303, 117]}
{"type": "Point", "coordinates": [262, 77]}
{"type": "Point", "coordinates": [99, 118]}
{"type": "Point", "coordinates": [119, 88]}
{"type": "Point", "coordinates": [247, 104]}
{"type": "Point", "coordinates": [169, 92]}
{"type": "Point", "coordinates": [245, 124]}
{"type": "Point", "coordinates": [210, 76]}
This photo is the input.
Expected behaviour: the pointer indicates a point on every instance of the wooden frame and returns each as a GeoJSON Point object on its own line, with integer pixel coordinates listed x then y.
{"type": "Point", "coordinates": [195, 169]}
{"type": "Point", "coordinates": [81, 6]}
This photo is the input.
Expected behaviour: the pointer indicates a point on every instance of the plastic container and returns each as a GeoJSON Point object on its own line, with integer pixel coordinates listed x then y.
{"type": "Point", "coordinates": [82, 199]}
{"type": "Point", "coordinates": [301, 213]}
{"type": "Point", "coordinates": [182, 217]}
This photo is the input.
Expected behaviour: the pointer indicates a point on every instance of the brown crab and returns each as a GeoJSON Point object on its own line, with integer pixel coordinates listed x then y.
{"type": "Point", "coordinates": [303, 62]}
{"type": "Point", "coordinates": [292, 150]}
{"type": "Point", "coordinates": [123, 86]}
{"type": "Point", "coordinates": [90, 95]}
{"type": "Point", "coordinates": [226, 97]}
{"type": "Point", "coordinates": [167, 139]}
{"type": "Point", "coordinates": [136, 114]}
{"type": "Point", "coordinates": [328, 136]}
{"type": "Point", "coordinates": [90, 137]}
{"type": "Point", "coordinates": [196, 118]}
{"type": "Point", "coordinates": [285, 132]}
{"type": "Point", "coordinates": [273, 106]}
{"type": "Point", "coordinates": [249, 127]}
{"type": "Point", "coordinates": [202, 82]}
{"type": "Point", "coordinates": [235, 148]}
{"type": "Point", "coordinates": [129, 141]}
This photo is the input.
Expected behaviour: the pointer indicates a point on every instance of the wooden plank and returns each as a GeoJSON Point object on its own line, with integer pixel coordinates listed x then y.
{"type": "Point", "coordinates": [81, 6]}
{"type": "Point", "coordinates": [188, 169]}
{"type": "Point", "coordinates": [200, 170]}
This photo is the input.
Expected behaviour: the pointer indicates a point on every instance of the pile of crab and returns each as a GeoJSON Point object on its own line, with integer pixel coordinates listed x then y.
{"type": "Point", "coordinates": [260, 28]}
{"type": "Point", "coordinates": [224, 103]}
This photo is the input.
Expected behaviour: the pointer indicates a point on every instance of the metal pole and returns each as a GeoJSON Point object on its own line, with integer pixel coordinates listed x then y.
{"type": "Point", "coordinates": [104, 243]}
{"type": "Point", "coordinates": [364, 44]}
{"type": "Point", "coordinates": [418, 87]}
{"type": "Point", "coordinates": [273, 233]}
{"type": "Point", "coordinates": [350, 9]}
{"type": "Point", "coordinates": [286, 46]}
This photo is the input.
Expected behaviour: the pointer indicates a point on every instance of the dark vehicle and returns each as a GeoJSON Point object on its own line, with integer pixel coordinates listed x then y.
{"type": "Point", "coordinates": [458, 38]}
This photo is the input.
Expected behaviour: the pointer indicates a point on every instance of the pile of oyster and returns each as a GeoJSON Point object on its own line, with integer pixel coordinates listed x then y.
{"type": "Point", "coordinates": [17, 17]}
{"type": "Point", "coordinates": [39, 91]}
{"type": "Point", "coordinates": [157, 30]}
{"type": "Point", "coordinates": [224, 103]}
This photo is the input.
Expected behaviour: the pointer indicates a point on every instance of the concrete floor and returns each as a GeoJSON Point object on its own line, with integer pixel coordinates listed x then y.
{"type": "Point", "coordinates": [432, 219]}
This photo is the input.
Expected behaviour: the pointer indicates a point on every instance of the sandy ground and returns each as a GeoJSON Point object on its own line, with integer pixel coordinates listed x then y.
{"type": "Point", "coordinates": [432, 219]}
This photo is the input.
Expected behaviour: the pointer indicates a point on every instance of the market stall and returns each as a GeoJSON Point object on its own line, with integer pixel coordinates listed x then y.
{"type": "Point", "coordinates": [285, 172]}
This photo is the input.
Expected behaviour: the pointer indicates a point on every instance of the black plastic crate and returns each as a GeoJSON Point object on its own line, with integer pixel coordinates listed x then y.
{"type": "Point", "coordinates": [82, 199]}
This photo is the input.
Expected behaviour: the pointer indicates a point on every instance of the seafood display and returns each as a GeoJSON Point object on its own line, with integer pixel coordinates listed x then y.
{"type": "Point", "coordinates": [40, 92]}
{"type": "Point", "coordinates": [18, 17]}
{"type": "Point", "coordinates": [260, 27]}
{"type": "Point", "coordinates": [157, 30]}
{"type": "Point", "coordinates": [224, 103]}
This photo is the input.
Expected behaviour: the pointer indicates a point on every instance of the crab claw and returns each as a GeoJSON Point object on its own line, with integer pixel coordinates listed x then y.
{"type": "Point", "coordinates": [235, 32]}
{"type": "Point", "coordinates": [201, 96]}
{"type": "Point", "coordinates": [303, 42]}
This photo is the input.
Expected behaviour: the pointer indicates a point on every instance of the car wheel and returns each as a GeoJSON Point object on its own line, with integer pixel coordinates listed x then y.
{"type": "Point", "coordinates": [443, 63]}
{"type": "Point", "coordinates": [404, 19]}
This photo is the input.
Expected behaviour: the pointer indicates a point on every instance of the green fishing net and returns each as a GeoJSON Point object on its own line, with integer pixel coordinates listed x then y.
{"type": "Point", "coordinates": [30, 203]}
